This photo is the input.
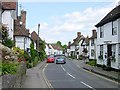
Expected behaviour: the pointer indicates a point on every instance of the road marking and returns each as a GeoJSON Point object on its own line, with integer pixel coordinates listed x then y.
{"type": "Point", "coordinates": [64, 69]}
{"type": "Point", "coordinates": [87, 85]}
{"type": "Point", "coordinates": [71, 75]}
{"type": "Point", "coordinates": [97, 75]}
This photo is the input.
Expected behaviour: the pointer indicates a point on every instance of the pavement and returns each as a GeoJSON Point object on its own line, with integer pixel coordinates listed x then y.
{"type": "Point", "coordinates": [35, 77]}
{"type": "Point", "coordinates": [114, 75]}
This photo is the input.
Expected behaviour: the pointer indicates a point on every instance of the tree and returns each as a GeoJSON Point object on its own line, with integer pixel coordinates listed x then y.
{"type": "Point", "coordinates": [42, 50]}
{"type": "Point", "coordinates": [5, 40]}
{"type": "Point", "coordinates": [59, 43]}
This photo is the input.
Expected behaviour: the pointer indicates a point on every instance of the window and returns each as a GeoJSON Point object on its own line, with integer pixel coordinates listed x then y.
{"type": "Point", "coordinates": [114, 28]}
{"type": "Point", "coordinates": [113, 50]}
{"type": "Point", "coordinates": [92, 42]}
{"type": "Point", "coordinates": [101, 32]}
{"type": "Point", "coordinates": [101, 50]}
{"type": "Point", "coordinates": [92, 52]}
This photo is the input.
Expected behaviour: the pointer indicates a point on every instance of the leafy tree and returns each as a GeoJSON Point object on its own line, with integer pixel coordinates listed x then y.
{"type": "Point", "coordinates": [42, 53]}
{"type": "Point", "coordinates": [59, 43]}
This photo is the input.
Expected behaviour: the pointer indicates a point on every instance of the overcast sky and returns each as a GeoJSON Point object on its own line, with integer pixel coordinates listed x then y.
{"type": "Point", "coordinates": [62, 20]}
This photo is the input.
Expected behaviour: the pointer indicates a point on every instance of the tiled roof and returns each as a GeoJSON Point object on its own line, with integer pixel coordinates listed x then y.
{"type": "Point", "coordinates": [55, 46]}
{"type": "Point", "coordinates": [48, 46]}
{"type": "Point", "coordinates": [77, 40]}
{"type": "Point", "coordinates": [111, 16]}
{"type": "Point", "coordinates": [20, 30]}
{"type": "Point", "coordinates": [35, 36]}
{"type": "Point", "coordinates": [86, 40]}
{"type": "Point", "coordinates": [9, 5]}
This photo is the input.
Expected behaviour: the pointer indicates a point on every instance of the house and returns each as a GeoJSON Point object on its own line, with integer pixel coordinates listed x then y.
{"type": "Point", "coordinates": [74, 47]}
{"type": "Point", "coordinates": [55, 49]}
{"type": "Point", "coordinates": [85, 47]}
{"type": "Point", "coordinates": [9, 13]}
{"type": "Point", "coordinates": [36, 39]}
{"type": "Point", "coordinates": [108, 39]}
{"type": "Point", "coordinates": [48, 49]}
{"type": "Point", "coordinates": [92, 45]}
{"type": "Point", "coordinates": [22, 36]}
{"type": "Point", "coordinates": [68, 49]}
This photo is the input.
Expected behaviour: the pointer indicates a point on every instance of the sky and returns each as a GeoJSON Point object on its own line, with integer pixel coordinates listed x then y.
{"type": "Point", "coordinates": [61, 20]}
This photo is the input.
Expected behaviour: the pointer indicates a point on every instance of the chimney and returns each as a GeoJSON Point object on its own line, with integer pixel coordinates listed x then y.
{"type": "Point", "coordinates": [78, 34]}
{"type": "Point", "coordinates": [23, 17]}
{"type": "Point", "coordinates": [93, 32]}
{"type": "Point", "coordinates": [69, 43]}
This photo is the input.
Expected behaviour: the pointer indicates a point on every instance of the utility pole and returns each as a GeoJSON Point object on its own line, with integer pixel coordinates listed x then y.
{"type": "Point", "coordinates": [38, 34]}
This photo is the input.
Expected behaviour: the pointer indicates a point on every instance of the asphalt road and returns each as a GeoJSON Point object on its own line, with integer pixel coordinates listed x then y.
{"type": "Point", "coordinates": [70, 76]}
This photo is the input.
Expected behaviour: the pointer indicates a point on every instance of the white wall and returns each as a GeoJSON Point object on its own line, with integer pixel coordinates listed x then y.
{"type": "Point", "coordinates": [92, 47]}
{"type": "Point", "coordinates": [115, 39]}
{"type": "Point", "coordinates": [107, 34]}
{"type": "Point", "coordinates": [19, 42]}
{"type": "Point", "coordinates": [80, 48]}
{"type": "Point", "coordinates": [8, 17]}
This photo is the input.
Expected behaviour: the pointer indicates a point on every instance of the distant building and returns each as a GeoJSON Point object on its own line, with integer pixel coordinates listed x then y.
{"type": "Point", "coordinates": [92, 45]}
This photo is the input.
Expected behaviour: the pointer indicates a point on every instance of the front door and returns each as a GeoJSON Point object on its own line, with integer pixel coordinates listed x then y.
{"type": "Point", "coordinates": [109, 53]}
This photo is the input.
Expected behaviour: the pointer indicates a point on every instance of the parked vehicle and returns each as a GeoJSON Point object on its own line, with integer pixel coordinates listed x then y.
{"type": "Point", "coordinates": [50, 59]}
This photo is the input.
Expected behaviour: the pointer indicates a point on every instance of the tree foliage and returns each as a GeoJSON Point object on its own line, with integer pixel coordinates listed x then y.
{"type": "Point", "coordinates": [5, 40]}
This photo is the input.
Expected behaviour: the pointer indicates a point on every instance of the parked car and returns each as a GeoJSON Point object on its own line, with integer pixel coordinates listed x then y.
{"type": "Point", "coordinates": [60, 60]}
{"type": "Point", "coordinates": [50, 59]}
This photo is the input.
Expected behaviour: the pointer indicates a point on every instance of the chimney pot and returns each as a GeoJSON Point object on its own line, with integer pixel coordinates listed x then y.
{"type": "Point", "coordinates": [78, 34]}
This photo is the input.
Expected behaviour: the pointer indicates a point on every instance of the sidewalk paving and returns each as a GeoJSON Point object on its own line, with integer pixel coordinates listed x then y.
{"type": "Point", "coordinates": [34, 77]}
{"type": "Point", "coordinates": [114, 75]}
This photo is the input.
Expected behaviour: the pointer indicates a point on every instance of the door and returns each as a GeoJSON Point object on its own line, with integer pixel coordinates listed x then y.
{"type": "Point", "coordinates": [109, 53]}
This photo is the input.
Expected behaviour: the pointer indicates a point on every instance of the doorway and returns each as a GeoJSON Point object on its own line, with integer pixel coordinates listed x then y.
{"type": "Point", "coordinates": [109, 53]}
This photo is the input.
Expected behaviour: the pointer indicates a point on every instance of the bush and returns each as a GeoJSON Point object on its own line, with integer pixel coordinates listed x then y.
{"type": "Point", "coordinates": [35, 61]}
{"type": "Point", "coordinates": [80, 57]}
{"type": "Point", "coordinates": [9, 43]}
{"type": "Point", "coordinates": [29, 65]}
{"type": "Point", "coordinates": [9, 68]}
{"type": "Point", "coordinates": [92, 63]}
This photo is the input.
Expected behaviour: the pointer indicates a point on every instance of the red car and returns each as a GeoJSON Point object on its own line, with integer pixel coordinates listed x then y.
{"type": "Point", "coordinates": [50, 59]}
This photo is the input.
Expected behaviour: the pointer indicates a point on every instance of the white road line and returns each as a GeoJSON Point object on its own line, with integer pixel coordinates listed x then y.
{"type": "Point", "coordinates": [64, 69]}
{"type": "Point", "coordinates": [87, 85]}
{"type": "Point", "coordinates": [70, 75]}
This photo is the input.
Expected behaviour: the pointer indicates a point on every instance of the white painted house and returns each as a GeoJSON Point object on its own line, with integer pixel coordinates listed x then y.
{"type": "Point", "coordinates": [75, 46]}
{"type": "Point", "coordinates": [48, 49]}
{"type": "Point", "coordinates": [85, 46]}
{"type": "Point", "coordinates": [92, 45]}
{"type": "Point", "coordinates": [8, 15]}
{"type": "Point", "coordinates": [108, 39]}
{"type": "Point", "coordinates": [22, 37]}
{"type": "Point", "coordinates": [55, 49]}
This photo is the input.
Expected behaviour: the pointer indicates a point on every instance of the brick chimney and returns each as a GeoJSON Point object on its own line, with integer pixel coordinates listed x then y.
{"type": "Point", "coordinates": [93, 32]}
{"type": "Point", "coordinates": [23, 17]}
{"type": "Point", "coordinates": [69, 43]}
{"type": "Point", "coordinates": [78, 34]}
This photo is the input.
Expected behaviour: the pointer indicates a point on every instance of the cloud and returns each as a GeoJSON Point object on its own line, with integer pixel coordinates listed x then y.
{"type": "Point", "coordinates": [77, 21]}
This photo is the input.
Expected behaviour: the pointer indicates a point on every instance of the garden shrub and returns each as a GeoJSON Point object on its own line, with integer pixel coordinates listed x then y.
{"type": "Point", "coordinates": [92, 62]}
{"type": "Point", "coordinates": [9, 68]}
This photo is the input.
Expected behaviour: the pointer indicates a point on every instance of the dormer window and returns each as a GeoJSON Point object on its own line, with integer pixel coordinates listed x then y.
{"type": "Point", "coordinates": [114, 28]}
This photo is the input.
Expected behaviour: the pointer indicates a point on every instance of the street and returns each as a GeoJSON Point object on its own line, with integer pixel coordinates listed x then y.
{"type": "Point", "coordinates": [69, 75]}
